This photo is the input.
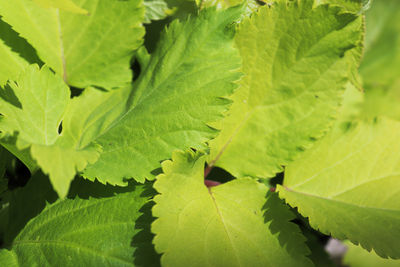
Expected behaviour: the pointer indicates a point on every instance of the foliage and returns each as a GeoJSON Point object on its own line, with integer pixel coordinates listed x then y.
{"type": "Point", "coordinates": [333, 184]}
{"type": "Point", "coordinates": [358, 257]}
{"type": "Point", "coordinates": [115, 115]}
{"type": "Point", "coordinates": [230, 220]}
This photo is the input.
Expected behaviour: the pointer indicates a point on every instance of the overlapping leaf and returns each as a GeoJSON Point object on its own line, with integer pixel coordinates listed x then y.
{"type": "Point", "coordinates": [249, 5]}
{"type": "Point", "coordinates": [3, 161]}
{"type": "Point", "coordinates": [15, 53]}
{"type": "Point", "coordinates": [319, 256]}
{"type": "Point", "coordinates": [350, 5]}
{"type": "Point", "coordinates": [82, 48]}
{"type": "Point", "coordinates": [382, 101]}
{"type": "Point", "coordinates": [381, 61]}
{"type": "Point", "coordinates": [8, 258]}
{"type": "Point", "coordinates": [223, 225]}
{"type": "Point", "coordinates": [11, 64]}
{"type": "Point", "coordinates": [24, 155]}
{"type": "Point", "coordinates": [180, 91]}
{"type": "Point", "coordinates": [356, 256]}
{"type": "Point", "coordinates": [24, 204]}
{"type": "Point", "coordinates": [218, 3]}
{"type": "Point", "coordinates": [155, 10]}
{"type": "Point", "coordinates": [355, 54]}
{"type": "Point", "coordinates": [94, 232]}
{"type": "Point", "coordinates": [295, 64]}
{"type": "Point", "coordinates": [33, 108]}
{"type": "Point", "coordinates": [380, 68]}
{"type": "Point", "coordinates": [348, 184]}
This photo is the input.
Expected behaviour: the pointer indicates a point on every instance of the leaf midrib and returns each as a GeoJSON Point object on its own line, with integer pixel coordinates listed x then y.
{"type": "Point", "coordinates": [138, 92]}
{"type": "Point", "coordinates": [245, 210]}
{"type": "Point", "coordinates": [62, 56]}
{"type": "Point", "coordinates": [99, 42]}
{"type": "Point", "coordinates": [224, 226]}
{"type": "Point", "coordinates": [83, 31]}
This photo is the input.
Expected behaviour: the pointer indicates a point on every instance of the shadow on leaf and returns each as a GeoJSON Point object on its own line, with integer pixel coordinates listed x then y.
{"type": "Point", "coordinates": [84, 189]}
{"type": "Point", "coordinates": [280, 217]}
{"type": "Point", "coordinates": [145, 254]}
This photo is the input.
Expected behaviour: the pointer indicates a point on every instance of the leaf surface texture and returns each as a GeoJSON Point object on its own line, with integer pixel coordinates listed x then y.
{"type": "Point", "coordinates": [11, 63]}
{"type": "Point", "coordinates": [348, 184]}
{"type": "Point", "coordinates": [93, 232]}
{"type": "Point", "coordinates": [223, 225]}
{"type": "Point", "coordinates": [356, 256]}
{"type": "Point", "coordinates": [33, 108]}
{"type": "Point", "coordinates": [81, 48]}
{"type": "Point", "coordinates": [295, 69]}
{"type": "Point", "coordinates": [180, 91]}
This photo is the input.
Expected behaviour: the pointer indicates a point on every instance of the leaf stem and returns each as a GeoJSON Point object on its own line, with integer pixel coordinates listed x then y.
{"type": "Point", "coordinates": [207, 170]}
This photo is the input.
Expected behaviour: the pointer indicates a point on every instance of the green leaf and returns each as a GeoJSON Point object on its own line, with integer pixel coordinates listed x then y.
{"type": "Point", "coordinates": [218, 3]}
{"type": "Point", "coordinates": [24, 155]}
{"type": "Point", "coordinates": [382, 101]}
{"type": "Point", "coordinates": [82, 48]}
{"type": "Point", "coordinates": [24, 205]}
{"type": "Point", "coordinates": [8, 258]}
{"type": "Point", "coordinates": [251, 6]}
{"type": "Point", "coordinates": [66, 5]}
{"type": "Point", "coordinates": [180, 92]}
{"type": "Point", "coordinates": [381, 61]}
{"type": "Point", "coordinates": [92, 113]}
{"type": "Point", "coordinates": [356, 256]}
{"type": "Point", "coordinates": [87, 117]}
{"type": "Point", "coordinates": [3, 184]}
{"type": "Point", "coordinates": [222, 225]}
{"type": "Point", "coordinates": [380, 68]}
{"type": "Point", "coordinates": [350, 5]}
{"type": "Point", "coordinates": [11, 64]}
{"type": "Point", "coordinates": [355, 6]}
{"type": "Point", "coordinates": [355, 54]}
{"type": "Point", "coordinates": [15, 53]}
{"type": "Point", "coordinates": [3, 162]}
{"type": "Point", "coordinates": [155, 10]}
{"type": "Point", "coordinates": [296, 66]}
{"type": "Point", "coordinates": [183, 9]}
{"type": "Point", "coordinates": [33, 107]}
{"type": "Point", "coordinates": [18, 44]}
{"type": "Point", "coordinates": [67, 233]}
{"type": "Point", "coordinates": [62, 161]}
{"type": "Point", "coordinates": [144, 254]}
{"type": "Point", "coordinates": [83, 188]}
{"type": "Point", "coordinates": [348, 184]}
{"type": "Point", "coordinates": [318, 254]}
{"type": "Point", "coordinates": [3, 218]}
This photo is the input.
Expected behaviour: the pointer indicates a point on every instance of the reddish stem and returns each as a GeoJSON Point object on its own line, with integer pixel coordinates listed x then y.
{"type": "Point", "coordinates": [207, 170]}
{"type": "Point", "coordinates": [210, 183]}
